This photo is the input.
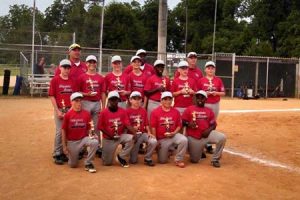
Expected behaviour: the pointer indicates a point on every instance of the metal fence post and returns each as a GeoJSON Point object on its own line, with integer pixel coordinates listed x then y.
{"type": "Point", "coordinates": [232, 74]}
{"type": "Point", "coordinates": [267, 77]}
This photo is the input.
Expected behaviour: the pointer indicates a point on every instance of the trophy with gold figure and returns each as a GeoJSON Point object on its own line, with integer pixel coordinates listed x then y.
{"type": "Point", "coordinates": [164, 83]}
{"type": "Point", "coordinates": [91, 84]}
{"type": "Point", "coordinates": [92, 130]}
{"type": "Point", "coordinates": [210, 86]}
{"type": "Point", "coordinates": [186, 88]}
{"type": "Point", "coordinates": [167, 125]}
{"type": "Point", "coordinates": [138, 125]}
{"type": "Point", "coordinates": [194, 118]}
{"type": "Point", "coordinates": [63, 106]}
{"type": "Point", "coordinates": [119, 83]}
{"type": "Point", "coordinates": [116, 127]}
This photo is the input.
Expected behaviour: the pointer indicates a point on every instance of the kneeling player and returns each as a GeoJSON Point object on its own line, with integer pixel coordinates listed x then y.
{"type": "Point", "coordinates": [75, 128]}
{"type": "Point", "coordinates": [201, 125]}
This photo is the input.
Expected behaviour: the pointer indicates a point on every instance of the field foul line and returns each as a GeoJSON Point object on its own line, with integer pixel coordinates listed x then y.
{"type": "Point", "coordinates": [269, 163]}
{"type": "Point", "coordinates": [264, 110]}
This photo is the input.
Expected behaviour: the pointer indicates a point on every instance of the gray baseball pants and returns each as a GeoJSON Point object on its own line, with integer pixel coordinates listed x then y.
{"type": "Point", "coordinates": [58, 149]}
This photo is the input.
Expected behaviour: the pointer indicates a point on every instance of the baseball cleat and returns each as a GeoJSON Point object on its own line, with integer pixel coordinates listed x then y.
{"type": "Point", "coordinates": [215, 163]}
{"type": "Point", "coordinates": [150, 163]}
{"type": "Point", "coordinates": [58, 160]}
{"type": "Point", "coordinates": [209, 149]}
{"type": "Point", "coordinates": [122, 161]}
{"type": "Point", "coordinates": [90, 168]}
{"type": "Point", "coordinates": [64, 158]}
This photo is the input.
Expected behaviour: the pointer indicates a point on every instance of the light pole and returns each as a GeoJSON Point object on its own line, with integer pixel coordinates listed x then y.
{"type": "Point", "coordinates": [33, 32]}
{"type": "Point", "coordinates": [214, 34]}
{"type": "Point", "coordinates": [101, 36]}
{"type": "Point", "coordinates": [186, 25]}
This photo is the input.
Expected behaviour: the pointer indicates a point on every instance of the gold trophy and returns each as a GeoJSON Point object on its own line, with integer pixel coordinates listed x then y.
{"type": "Point", "coordinates": [116, 127]}
{"type": "Point", "coordinates": [90, 81]}
{"type": "Point", "coordinates": [164, 83]}
{"type": "Point", "coordinates": [167, 125]}
{"type": "Point", "coordinates": [92, 130]}
{"type": "Point", "coordinates": [210, 86]}
{"type": "Point", "coordinates": [194, 118]}
{"type": "Point", "coordinates": [138, 125]}
{"type": "Point", "coordinates": [186, 88]}
{"type": "Point", "coordinates": [118, 84]}
{"type": "Point", "coordinates": [63, 109]}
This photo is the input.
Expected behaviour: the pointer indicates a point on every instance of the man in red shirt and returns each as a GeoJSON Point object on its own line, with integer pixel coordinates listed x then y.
{"type": "Point", "coordinates": [183, 88]}
{"type": "Point", "coordinates": [201, 125]}
{"type": "Point", "coordinates": [77, 67]}
{"type": "Point", "coordinates": [61, 88]}
{"type": "Point", "coordinates": [75, 134]}
{"type": "Point", "coordinates": [194, 71]}
{"type": "Point", "coordinates": [165, 124]}
{"type": "Point", "coordinates": [113, 122]}
{"type": "Point", "coordinates": [139, 120]}
{"type": "Point", "coordinates": [118, 81]}
{"type": "Point", "coordinates": [146, 68]}
{"type": "Point", "coordinates": [155, 85]}
{"type": "Point", "coordinates": [137, 79]}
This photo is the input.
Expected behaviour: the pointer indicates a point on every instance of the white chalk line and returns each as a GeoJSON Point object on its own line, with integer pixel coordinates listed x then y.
{"type": "Point", "coordinates": [263, 110]}
{"type": "Point", "coordinates": [269, 163]}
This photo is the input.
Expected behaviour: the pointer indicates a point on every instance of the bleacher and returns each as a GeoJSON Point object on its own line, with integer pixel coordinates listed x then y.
{"type": "Point", "coordinates": [39, 83]}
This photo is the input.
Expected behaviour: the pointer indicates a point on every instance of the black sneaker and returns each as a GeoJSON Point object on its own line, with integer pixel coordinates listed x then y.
{"type": "Point", "coordinates": [150, 163]}
{"type": "Point", "coordinates": [203, 156]}
{"type": "Point", "coordinates": [64, 158]}
{"type": "Point", "coordinates": [99, 152]}
{"type": "Point", "coordinates": [216, 163]}
{"type": "Point", "coordinates": [90, 168]}
{"type": "Point", "coordinates": [209, 149]}
{"type": "Point", "coordinates": [122, 161]}
{"type": "Point", "coordinates": [81, 154]}
{"type": "Point", "coordinates": [58, 160]}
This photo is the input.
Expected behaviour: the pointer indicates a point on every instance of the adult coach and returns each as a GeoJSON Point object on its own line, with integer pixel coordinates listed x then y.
{"type": "Point", "coordinates": [193, 70]}
{"type": "Point", "coordinates": [113, 121]}
{"type": "Point", "coordinates": [165, 123]}
{"type": "Point", "coordinates": [77, 67]}
{"type": "Point", "coordinates": [75, 129]}
{"type": "Point", "coordinates": [60, 90]}
{"type": "Point", "coordinates": [201, 125]}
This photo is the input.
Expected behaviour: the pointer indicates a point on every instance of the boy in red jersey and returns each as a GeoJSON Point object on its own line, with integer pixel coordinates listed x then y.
{"type": "Point", "coordinates": [75, 134]}
{"type": "Point", "coordinates": [201, 125]}
{"type": "Point", "coordinates": [194, 71]}
{"type": "Point", "coordinates": [139, 120]}
{"type": "Point", "coordinates": [77, 67]}
{"type": "Point", "coordinates": [183, 88]}
{"type": "Point", "coordinates": [61, 88]}
{"type": "Point", "coordinates": [113, 122]}
{"type": "Point", "coordinates": [155, 85]}
{"type": "Point", "coordinates": [118, 81]}
{"type": "Point", "coordinates": [165, 124]}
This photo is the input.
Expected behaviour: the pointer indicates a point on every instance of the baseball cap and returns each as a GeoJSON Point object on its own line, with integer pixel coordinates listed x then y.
{"type": "Point", "coordinates": [210, 63]}
{"type": "Point", "coordinates": [134, 57]}
{"type": "Point", "coordinates": [112, 94]}
{"type": "Point", "coordinates": [166, 94]}
{"type": "Point", "coordinates": [159, 62]}
{"type": "Point", "coordinates": [65, 63]}
{"type": "Point", "coordinates": [116, 58]}
{"type": "Point", "coordinates": [183, 63]}
{"type": "Point", "coordinates": [91, 57]}
{"type": "Point", "coordinates": [202, 92]}
{"type": "Point", "coordinates": [135, 94]}
{"type": "Point", "coordinates": [76, 95]}
{"type": "Point", "coordinates": [140, 51]}
{"type": "Point", "coordinates": [191, 54]}
{"type": "Point", "coordinates": [74, 46]}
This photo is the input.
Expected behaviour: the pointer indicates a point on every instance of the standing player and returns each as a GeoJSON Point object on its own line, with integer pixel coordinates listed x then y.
{"type": "Point", "coordinates": [113, 121]}
{"type": "Point", "coordinates": [61, 88]}
{"type": "Point", "coordinates": [183, 88]}
{"type": "Point", "coordinates": [155, 85]}
{"type": "Point", "coordinates": [201, 125]}
{"type": "Point", "coordinates": [165, 123]}
{"type": "Point", "coordinates": [91, 85]}
{"type": "Point", "coordinates": [138, 119]}
{"type": "Point", "coordinates": [137, 79]}
{"type": "Point", "coordinates": [75, 129]}
{"type": "Point", "coordinates": [193, 71]}
{"type": "Point", "coordinates": [146, 68]}
{"type": "Point", "coordinates": [118, 81]}
{"type": "Point", "coordinates": [77, 67]}
{"type": "Point", "coordinates": [213, 86]}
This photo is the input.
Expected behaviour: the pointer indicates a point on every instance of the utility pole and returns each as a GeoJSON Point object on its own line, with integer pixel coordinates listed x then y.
{"type": "Point", "coordinates": [33, 32]}
{"type": "Point", "coordinates": [162, 30]}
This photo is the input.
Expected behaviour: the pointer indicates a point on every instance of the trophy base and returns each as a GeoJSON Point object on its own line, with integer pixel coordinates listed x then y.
{"type": "Point", "coordinates": [186, 95]}
{"type": "Point", "coordinates": [94, 93]}
{"type": "Point", "coordinates": [116, 137]}
{"type": "Point", "coordinates": [167, 134]}
{"type": "Point", "coordinates": [139, 133]}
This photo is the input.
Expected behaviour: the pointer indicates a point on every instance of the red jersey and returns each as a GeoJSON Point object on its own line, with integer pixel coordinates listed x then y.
{"type": "Point", "coordinates": [194, 73]}
{"type": "Point", "coordinates": [164, 121]}
{"type": "Point", "coordinates": [61, 90]}
{"type": "Point", "coordinates": [87, 83]}
{"type": "Point", "coordinates": [138, 117]}
{"type": "Point", "coordinates": [113, 121]}
{"type": "Point", "coordinates": [113, 82]}
{"type": "Point", "coordinates": [137, 83]}
{"type": "Point", "coordinates": [183, 100]}
{"type": "Point", "coordinates": [75, 71]}
{"type": "Point", "coordinates": [215, 85]}
{"type": "Point", "coordinates": [156, 82]}
{"type": "Point", "coordinates": [76, 124]}
{"type": "Point", "coordinates": [147, 69]}
{"type": "Point", "coordinates": [204, 118]}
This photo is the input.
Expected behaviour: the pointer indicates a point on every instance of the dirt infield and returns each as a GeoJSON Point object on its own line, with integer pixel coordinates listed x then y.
{"type": "Point", "coordinates": [262, 159]}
